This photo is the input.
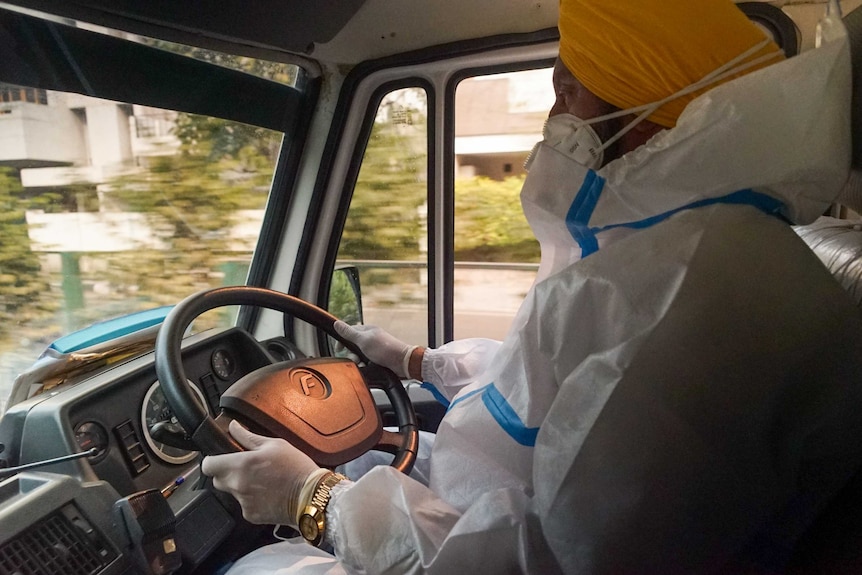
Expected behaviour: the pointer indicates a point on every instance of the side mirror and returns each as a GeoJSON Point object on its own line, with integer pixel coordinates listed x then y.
{"type": "Point", "coordinates": [345, 295]}
{"type": "Point", "coordinates": [345, 302]}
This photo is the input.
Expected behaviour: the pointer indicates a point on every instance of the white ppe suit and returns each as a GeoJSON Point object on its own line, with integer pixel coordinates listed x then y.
{"type": "Point", "coordinates": [683, 399]}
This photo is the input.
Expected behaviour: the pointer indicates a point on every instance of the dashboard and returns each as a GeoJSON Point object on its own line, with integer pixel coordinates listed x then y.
{"type": "Point", "coordinates": [122, 418]}
{"type": "Point", "coordinates": [137, 437]}
{"type": "Point", "coordinates": [117, 442]}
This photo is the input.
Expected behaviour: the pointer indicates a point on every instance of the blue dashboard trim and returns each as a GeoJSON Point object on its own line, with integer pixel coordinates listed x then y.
{"type": "Point", "coordinates": [110, 329]}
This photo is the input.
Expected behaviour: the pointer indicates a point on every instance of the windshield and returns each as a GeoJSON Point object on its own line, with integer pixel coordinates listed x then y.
{"type": "Point", "coordinates": [111, 207]}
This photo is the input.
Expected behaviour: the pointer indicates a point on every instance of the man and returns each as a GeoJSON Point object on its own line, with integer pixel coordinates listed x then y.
{"type": "Point", "coordinates": [678, 389]}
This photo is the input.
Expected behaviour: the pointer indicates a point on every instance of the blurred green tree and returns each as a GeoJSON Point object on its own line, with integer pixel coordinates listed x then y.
{"type": "Point", "coordinates": [386, 220]}
{"type": "Point", "coordinates": [25, 294]}
{"type": "Point", "coordinates": [193, 200]}
{"type": "Point", "coordinates": [490, 225]}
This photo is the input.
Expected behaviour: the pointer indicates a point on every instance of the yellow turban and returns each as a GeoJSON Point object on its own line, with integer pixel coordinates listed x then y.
{"type": "Point", "coordinates": [631, 53]}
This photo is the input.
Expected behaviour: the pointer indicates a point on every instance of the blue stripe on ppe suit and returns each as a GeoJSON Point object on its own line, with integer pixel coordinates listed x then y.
{"type": "Point", "coordinates": [503, 414]}
{"type": "Point", "coordinates": [582, 208]}
{"type": "Point", "coordinates": [576, 221]}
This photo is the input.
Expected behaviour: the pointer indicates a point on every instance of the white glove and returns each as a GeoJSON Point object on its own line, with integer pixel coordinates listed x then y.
{"type": "Point", "coordinates": [456, 364]}
{"type": "Point", "coordinates": [379, 345]}
{"type": "Point", "coordinates": [272, 481]}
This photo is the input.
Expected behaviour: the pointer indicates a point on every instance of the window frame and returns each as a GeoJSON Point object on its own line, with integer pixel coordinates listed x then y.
{"type": "Point", "coordinates": [450, 175]}
{"type": "Point", "coordinates": [436, 71]}
{"type": "Point", "coordinates": [60, 57]}
{"type": "Point", "coordinates": [355, 166]}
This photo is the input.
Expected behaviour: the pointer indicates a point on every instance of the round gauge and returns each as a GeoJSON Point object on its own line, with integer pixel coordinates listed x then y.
{"type": "Point", "coordinates": [222, 363]}
{"type": "Point", "coordinates": [89, 435]}
{"type": "Point", "coordinates": [162, 431]}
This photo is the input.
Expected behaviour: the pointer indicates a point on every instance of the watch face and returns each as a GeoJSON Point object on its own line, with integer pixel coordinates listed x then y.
{"type": "Point", "coordinates": [308, 527]}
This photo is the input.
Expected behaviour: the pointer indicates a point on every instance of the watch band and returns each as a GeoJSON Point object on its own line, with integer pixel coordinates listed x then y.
{"type": "Point", "coordinates": [312, 522]}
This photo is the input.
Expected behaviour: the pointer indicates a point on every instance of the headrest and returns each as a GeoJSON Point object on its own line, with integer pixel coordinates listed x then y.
{"type": "Point", "coordinates": [776, 23]}
{"type": "Point", "coordinates": [851, 195]}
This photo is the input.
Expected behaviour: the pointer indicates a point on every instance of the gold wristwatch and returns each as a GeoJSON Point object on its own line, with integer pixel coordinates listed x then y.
{"type": "Point", "coordinates": [312, 522]}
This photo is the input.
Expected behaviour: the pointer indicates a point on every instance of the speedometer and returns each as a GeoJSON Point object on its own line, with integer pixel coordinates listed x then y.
{"type": "Point", "coordinates": [161, 428]}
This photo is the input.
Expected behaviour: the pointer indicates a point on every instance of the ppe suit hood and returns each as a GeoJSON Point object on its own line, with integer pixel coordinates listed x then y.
{"type": "Point", "coordinates": [783, 131]}
{"type": "Point", "coordinates": [777, 139]}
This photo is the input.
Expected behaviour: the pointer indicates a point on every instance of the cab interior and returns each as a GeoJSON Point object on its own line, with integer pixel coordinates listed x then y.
{"type": "Point", "coordinates": [328, 73]}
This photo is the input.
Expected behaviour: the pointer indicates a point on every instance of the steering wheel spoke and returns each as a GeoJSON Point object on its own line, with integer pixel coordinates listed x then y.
{"type": "Point", "coordinates": [400, 443]}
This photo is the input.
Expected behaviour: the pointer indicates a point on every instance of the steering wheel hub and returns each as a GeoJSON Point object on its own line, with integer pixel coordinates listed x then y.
{"type": "Point", "coordinates": [321, 406]}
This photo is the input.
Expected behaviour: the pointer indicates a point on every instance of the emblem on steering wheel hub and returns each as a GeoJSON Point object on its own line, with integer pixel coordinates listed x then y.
{"type": "Point", "coordinates": [311, 383]}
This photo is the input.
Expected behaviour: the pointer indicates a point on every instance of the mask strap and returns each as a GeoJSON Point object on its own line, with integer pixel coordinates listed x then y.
{"type": "Point", "coordinates": [728, 69]}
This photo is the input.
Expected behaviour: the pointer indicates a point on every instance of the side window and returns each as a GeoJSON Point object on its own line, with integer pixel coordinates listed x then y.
{"type": "Point", "coordinates": [498, 119]}
{"type": "Point", "coordinates": [385, 235]}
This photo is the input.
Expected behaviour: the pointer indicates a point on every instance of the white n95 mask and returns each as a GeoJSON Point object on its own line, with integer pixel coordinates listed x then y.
{"type": "Point", "coordinates": [574, 138]}
{"type": "Point", "coordinates": [577, 139]}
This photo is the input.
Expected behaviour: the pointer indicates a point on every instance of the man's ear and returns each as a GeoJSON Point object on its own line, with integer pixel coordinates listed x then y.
{"type": "Point", "coordinates": [648, 129]}
{"type": "Point", "coordinates": [639, 135]}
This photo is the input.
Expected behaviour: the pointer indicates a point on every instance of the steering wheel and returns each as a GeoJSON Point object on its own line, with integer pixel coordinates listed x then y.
{"type": "Point", "coordinates": [323, 406]}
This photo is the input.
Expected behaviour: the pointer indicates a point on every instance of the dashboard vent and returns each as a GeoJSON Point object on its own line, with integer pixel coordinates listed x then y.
{"type": "Point", "coordinates": [281, 350]}
{"type": "Point", "coordinates": [136, 457]}
{"type": "Point", "coordinates": [55, 545]}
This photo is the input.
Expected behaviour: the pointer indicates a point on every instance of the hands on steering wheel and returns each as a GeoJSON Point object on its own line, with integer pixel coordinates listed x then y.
{"type": "Point", "coordinates": [267, 479]}
{"type": "Point", "coordinates": [320, 410]}
{"type": "Point", "coordinates": [380, 346]}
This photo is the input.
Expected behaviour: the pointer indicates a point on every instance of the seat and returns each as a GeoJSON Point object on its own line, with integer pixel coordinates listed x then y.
{"type": "Point", "coordinates": [838, 244]}
{"type": "Point", "coordinates": [833, 543]}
